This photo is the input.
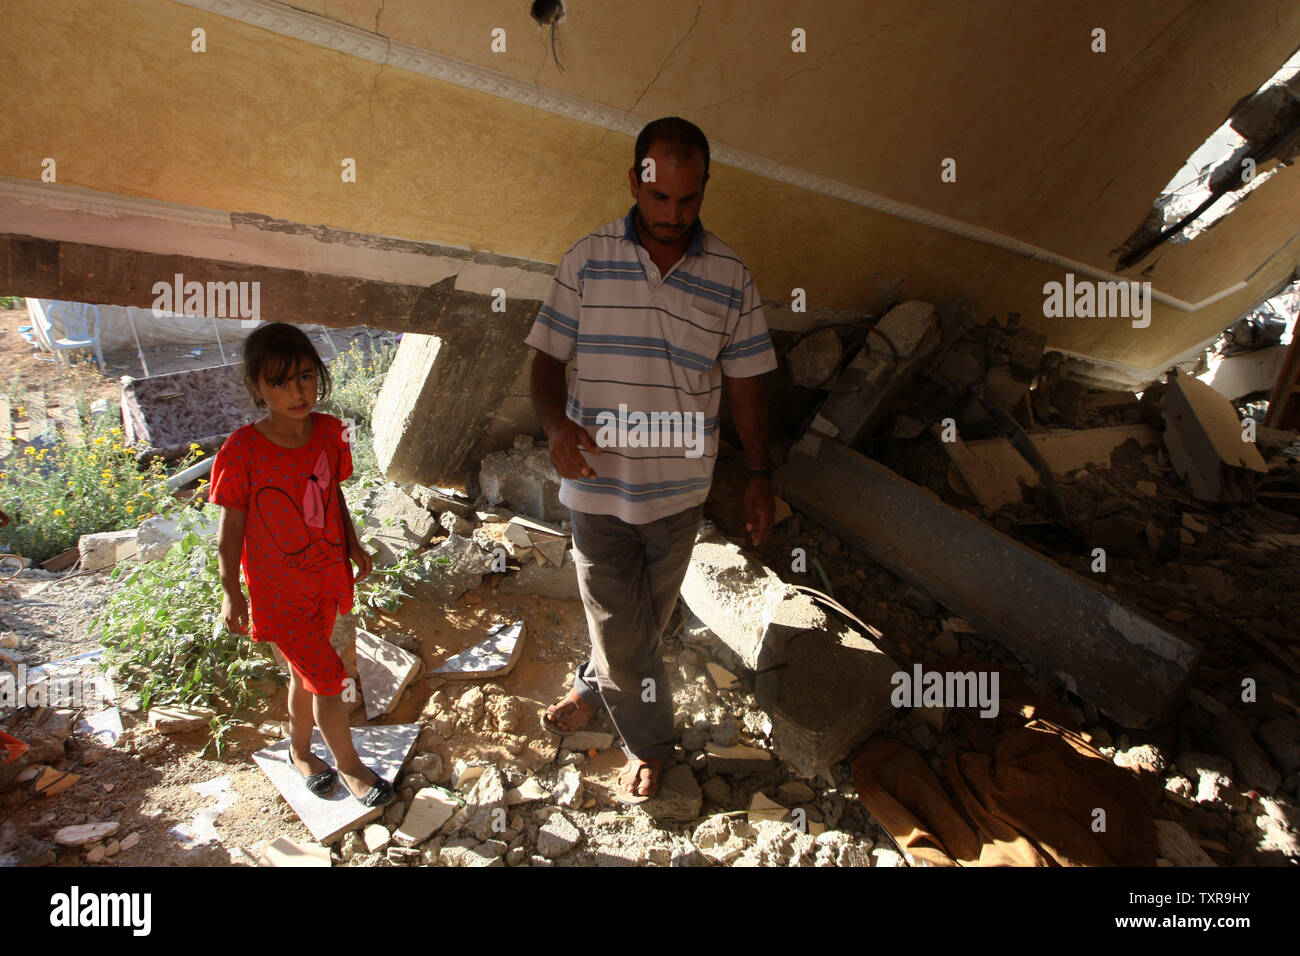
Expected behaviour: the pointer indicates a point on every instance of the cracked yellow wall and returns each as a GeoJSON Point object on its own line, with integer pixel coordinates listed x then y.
{"type": "Point", "coordinates": [260, 123]}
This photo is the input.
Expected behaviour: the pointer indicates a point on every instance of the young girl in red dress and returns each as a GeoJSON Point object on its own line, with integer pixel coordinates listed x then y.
{"type": "Point", "coordinates": [284, 518]}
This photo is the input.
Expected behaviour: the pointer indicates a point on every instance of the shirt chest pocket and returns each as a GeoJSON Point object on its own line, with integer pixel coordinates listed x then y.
{"type": "Point", "coordinates": [695, 339]}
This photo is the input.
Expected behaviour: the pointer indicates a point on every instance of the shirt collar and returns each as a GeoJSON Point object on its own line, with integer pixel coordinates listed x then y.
{"type": "Point", "coordinates": [694, 248]}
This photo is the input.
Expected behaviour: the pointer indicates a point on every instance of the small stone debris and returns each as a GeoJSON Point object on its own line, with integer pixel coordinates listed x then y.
{"type": "Point", "coordinates": [179, 720]}
{"type": "Point", "coordinates": [557, 836]}
{"type": "Point", "coordinates": [568, 788]}
{"type": "Point", "coordinates": [83, 833]}
{"type": "Point", "coordinates": [585, 740]}
{"type": "Point", "coordinates": [130, 841]}
{"type": "Point", "coordinates": [376, 837]}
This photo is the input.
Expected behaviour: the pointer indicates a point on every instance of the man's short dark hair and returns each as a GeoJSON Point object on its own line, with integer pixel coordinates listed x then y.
{"type": "Point", "coordinates": [681, 136]}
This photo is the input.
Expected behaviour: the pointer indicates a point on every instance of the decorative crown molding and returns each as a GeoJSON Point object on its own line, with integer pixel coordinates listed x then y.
{"type": "Point", "coordinates": [77, 199]}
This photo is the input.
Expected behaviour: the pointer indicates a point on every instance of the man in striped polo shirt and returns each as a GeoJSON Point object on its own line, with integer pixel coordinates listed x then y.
{"type": "Point", "coordinates": [656, 313]}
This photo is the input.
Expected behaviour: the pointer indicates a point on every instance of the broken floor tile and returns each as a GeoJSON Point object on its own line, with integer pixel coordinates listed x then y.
{"type": "Point", "coordinates": [494, 657]}
{"type": "Point", "coordinates": [737, 759]}
{"type": "Point", "coordinates": [385, 671]}
{"type": "Point", "coordinates": [761, 808]}
{"type": "Point", "coordinates": [723, 679]}
{"type": "Point", "coordinates": [529, 791]}
{"type": "Point", "coordinates": [431, 808]}
{"type": "Point", "coordinates": [383, 749]}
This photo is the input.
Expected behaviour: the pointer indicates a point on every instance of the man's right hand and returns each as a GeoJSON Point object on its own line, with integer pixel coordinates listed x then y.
{"type": "Point", "coordinates": [566, 437]}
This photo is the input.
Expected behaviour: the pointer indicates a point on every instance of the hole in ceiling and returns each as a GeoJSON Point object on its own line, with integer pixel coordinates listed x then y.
{"type": "Point", "coordinates": [1220, 174]}
{"type": "Point", "coordinates": [547, 12]}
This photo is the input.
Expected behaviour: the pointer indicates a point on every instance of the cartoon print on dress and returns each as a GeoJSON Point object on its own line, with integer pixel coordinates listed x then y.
{"type": "Point", "coordinates": [289, 525]}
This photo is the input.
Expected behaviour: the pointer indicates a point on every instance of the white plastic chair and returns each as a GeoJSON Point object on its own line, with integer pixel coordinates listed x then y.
{"type": "Point", "coordinates": [77, 331]}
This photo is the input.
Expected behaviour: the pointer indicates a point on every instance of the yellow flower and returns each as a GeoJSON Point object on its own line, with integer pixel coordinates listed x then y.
{"type": "Point", "coordinates": [130, 509]}
{"type": "Point", "coordinates": [115, 430]}
{"type": "Point", "coordinates": [29, 450]}
{"type": "Point", "coordinates": [99, 440]}
{"type": "Point", "coordinates": [139, 477]}
{"type": "Point", "coordinates": [198, 454]}
{"type": "Point", "coordinates": [58, 512]}
{"type": "Point", "coordinates": [146, 494]}
{"type": "Point", "coordinates": [116, 447]}
{"type": "Point", "coordinates": [194, 446]}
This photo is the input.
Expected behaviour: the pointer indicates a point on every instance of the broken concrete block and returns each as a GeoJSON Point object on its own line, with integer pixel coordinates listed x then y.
{"type": "Point", "coordinates": [430, 809]}
{"type": "Point", "coordinates": [861, 399]}
{"type": "Point", "coordinates": [174, 719]}
{"type": "Point", "coordinates": [744, 603]}
{"type": "Point", "coordinates": [1204, 438]}
{"type": "Point", "coordinates": [283, 851]}
{"type": "Point", "coordinates": [814, 361]}
{"type": "Point", "coordinates": [385, 670]}
{"type": "Point", "coordinates": [106, 548]}
{"type": "Point", "coordinates": [399, 522]}
{"type": "Point", "coordinates": [457, 566]}
{"type": "Point", "coordinates": [996, 473]}
{"type": "Point", "coordinates": [524, 479]}
{"type": "Point", "coordinates": [495, 656]}
{"type": "Point", "coordinates": [155, 536]}
{"type": "Point", "coordinates": [834, 686]}
{"type": "Point", "coordinates": [484, 810]}
{"type": "Point", "coordinates": [1025, 348]}
{"type": "Point", "coordinates": [1117, 657]}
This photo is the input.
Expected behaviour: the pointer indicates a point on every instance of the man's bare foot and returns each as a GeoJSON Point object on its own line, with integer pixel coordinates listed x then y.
{"type": "Point", "coordinates": [639, 780]}
{"type": "Point", "coordinates": [568, 715]}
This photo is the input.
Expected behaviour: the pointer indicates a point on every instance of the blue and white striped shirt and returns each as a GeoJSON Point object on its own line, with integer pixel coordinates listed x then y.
{"type": "Point", "coordinates": [650, 354]}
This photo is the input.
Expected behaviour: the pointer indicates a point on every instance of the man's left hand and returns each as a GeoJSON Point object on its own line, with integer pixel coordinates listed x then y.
{"type": "Point", "coordinates": [759, 506]}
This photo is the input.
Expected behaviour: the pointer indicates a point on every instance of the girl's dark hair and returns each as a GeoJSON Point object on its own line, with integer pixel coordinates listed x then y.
{"type": "Point", "coordinates": [274, 349]}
